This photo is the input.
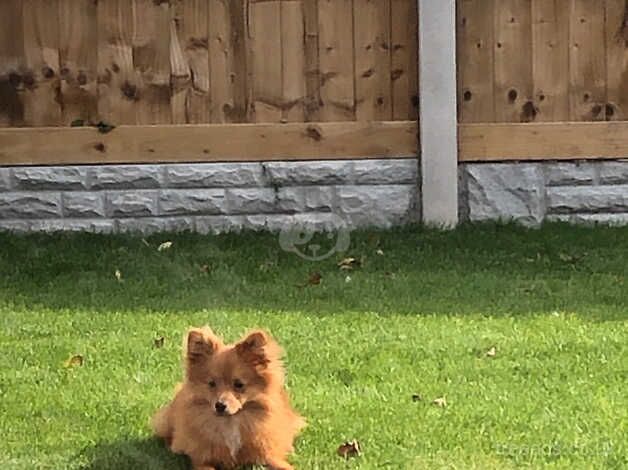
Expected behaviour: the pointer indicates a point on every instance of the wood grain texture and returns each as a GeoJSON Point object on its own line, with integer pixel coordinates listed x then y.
{"type": "Point", "coordinates": [42, 106]}
{"type": "Point", "coordinates": [542, 141]}
{"type": "Point", "coordinates": [617, 60]}
{"type": "Point", "coordinates": [336, 58]}
{"type": "Point", "coordinates": [312, 66]}
{"type": "Point", "coordinates": [404, 74]}
{"type": "Point", "coordinates": [189, 62]}
{"type": "Point", "coordinates": [151, 58]}
{"type": "Point", "coordinates": [118, 90]}
{"type": "Point", "coordinates": [213, 142]}
{"type": "Point", "coordinates": [373, 89]}
{"type": "Point", "coordinates": [293, 61]}
{"type": "Point", "coordinates": [550, 52]}
{"type": "Point", "coordinates": [78, 60]}
{"type": "Point", "coordinates": [513, 62]}
{"type": "Point", "coordinates": [476, 60]}
{"type": "Point", "coordinates": [11, 64]}
{"type": "Point", "coordinates": [587, 61]}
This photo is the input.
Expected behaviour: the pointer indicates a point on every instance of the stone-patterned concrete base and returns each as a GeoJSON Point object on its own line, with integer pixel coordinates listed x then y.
{"type": "Point", "coordinates": [529, 193]}
{"type": "Point", "coordinates": [212, 197]}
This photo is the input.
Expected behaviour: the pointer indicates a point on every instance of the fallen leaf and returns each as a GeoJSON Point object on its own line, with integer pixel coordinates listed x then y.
{"type": "Point", "coordinates": [118, 275]}
{"type": "Point", "coordinates": [204, 268]}
{"type": "Point", "coordinates": [380, 252]}
{"type": "Point", "coordinates": [74, 361]}
{"type": "Point", "coordinates": [164, 246]}
{"type": "Point", "coordinates": [441, 402]}
{"type": "Point", "coordinates": [349, 263]}
{"type": "Point", "coordinates": [315, 278]}
{"type": "Point", "coordinates": [348, 279]}
{"type": "Point", "coordinates": [491, 352]}
{"type": "Point", "coordinates": [349, 449]}
{"type": "Point", "coordinates": [416, 397]}
{"type": "Point", "coordinates": [159, 342]}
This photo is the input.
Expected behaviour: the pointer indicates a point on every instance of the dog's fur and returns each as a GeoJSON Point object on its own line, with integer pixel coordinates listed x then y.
{"type": "Point", "coordinates": [232, 408]}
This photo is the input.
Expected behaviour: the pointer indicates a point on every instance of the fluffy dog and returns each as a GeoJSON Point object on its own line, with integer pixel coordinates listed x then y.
{"type": "Point", "coordinates": [232, 408]}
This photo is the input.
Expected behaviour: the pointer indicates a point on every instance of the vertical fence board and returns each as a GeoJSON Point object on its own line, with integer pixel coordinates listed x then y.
{"type": "Point", "coordinates": [265, 53]}
{"type": "Point", "coordinates": [78, 60]}
{"type": "Point", "coordinates": [230, 89]}
{"type": "Point", "coordinates": [312, 67]}
{"type": "Point", "coordinates": [335, 29]}
{"type": "Point", "coordinates": [41, 49]}
{"type": "Point", "coordinates": [293, 60]}
{"type": "Point", "coordinates": [117, 79]}
{"type": "Point", "coordinates": [11, 64]}
{"type": "Point", "coordinates": [476, 77]}
{"type": "Point", "coordinates": [151, 57]}
{"type": "Point", "coordinates": [513, 62]}
{"type": "Point", "coordinates": [404, 59]}
{"type": "Point", "coordinates": [550, 52]}
{"type": "Point", "coordinates": [617, 60]}
{"type": "Point", "coordinates": [373, 100]}
{"type": "Point", "coordinates": [587, 61]}
{"type": "Point", "coordinates": [189, 61]}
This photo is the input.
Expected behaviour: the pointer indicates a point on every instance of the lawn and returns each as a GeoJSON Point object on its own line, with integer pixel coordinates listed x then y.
{"type": "Point", "coordinates": [524, 333]}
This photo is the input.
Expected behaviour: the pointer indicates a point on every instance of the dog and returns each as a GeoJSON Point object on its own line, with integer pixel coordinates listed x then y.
{"type": "Point", "coordinates": [232, 408]}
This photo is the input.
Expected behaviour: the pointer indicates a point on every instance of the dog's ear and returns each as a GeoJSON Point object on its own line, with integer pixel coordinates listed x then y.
{"type": "Point", "coordinates": [201, 343]}
{"type": "Point", "coordinates": [257, 349]}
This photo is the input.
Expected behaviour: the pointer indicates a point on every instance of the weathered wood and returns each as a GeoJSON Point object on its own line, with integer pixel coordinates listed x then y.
{"type": "Point", "coordinates": [543, 141]}
{"type": "Point", "coordinates": [265, 53]}
{"type": "Point", "coordinates": [41, 50]}
{"type": "Point", "coordinates": [230, 89]}
{"type": "Point", "coordinates": [550, 54]}
{"type": "Point", "coordinates": [312, 66]}
{"type": "Point", "coordinates": [292, 61]}
{"type": "Point", "coordinates": [587, 61]}
{"type": "Point", "coordinates": [213, 142]}
{"type": "Point", "coordinates": [476, 77]}
{"type": "Point", "coordinates": [189, 62]}
{"type": "Point", "coordinates": [513, 62]}
{"type": "Point", "coordinates": [373, 89]}
{"type": "Point", "coordinates": [118, 90]}
{"type": "Point", "coordinates": [11, 64]}
{"type": "Point", "coordinates": [151, 58]}
{"type": "Point", "coordinates": [336, 58]}
{"type": "Point", "coordinates": [617, 60]}
{"type": "Point", "coordinates": [78, 60]}
{"type": "Point", "coordinates": [404, 59]}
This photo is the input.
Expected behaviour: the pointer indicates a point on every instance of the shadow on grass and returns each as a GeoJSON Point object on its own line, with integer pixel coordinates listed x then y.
{"type": "Point", "coordinates": [493, 269]}
{"type": "Point", "coordinates": [138, 454]}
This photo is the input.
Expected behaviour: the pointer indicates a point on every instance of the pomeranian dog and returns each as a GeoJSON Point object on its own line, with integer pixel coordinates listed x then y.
{"type": "Point", "coordinates": [232, 408]}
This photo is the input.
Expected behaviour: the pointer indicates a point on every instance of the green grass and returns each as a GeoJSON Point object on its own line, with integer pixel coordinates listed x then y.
{"type": "Point", "coordinates": [416, 320]}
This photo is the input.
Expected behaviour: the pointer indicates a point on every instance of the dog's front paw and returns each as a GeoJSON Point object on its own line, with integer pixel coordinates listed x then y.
{"type": "Point", "coordinates": [279, 464]}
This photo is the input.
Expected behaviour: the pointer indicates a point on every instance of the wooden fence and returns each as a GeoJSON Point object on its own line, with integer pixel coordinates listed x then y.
{"type": "Point", "coordinates": [546, 62]}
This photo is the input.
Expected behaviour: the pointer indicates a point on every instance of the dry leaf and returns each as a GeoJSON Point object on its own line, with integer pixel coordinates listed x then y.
{"type": "Point", "coordinates": [74, 361]}
{"type": "Point", "coordinates": [349, 449]}
{"type": "Point", "coordinates": [442, 402]}
{"type": "Point", "coordinates": [380, 252]}
{"type": "Point", "coordinates": [159, 342]}
{"type": "Point", "coordinates": [314, 279]}
{"type": "Point", "coordinates": [204, 268]}
{"type": "Point", "coordinates": [491, 352]}
{"type": "Point", "coordinates": [118, 275]}
{"type": "Point", "coordinates": [348, 279]}
{"type": "Point", "coordinates": [416, 397]}
{"type": "Point", "coordinates": [349, 263]}
{"type": "Point", "coordinates": [164, 246]}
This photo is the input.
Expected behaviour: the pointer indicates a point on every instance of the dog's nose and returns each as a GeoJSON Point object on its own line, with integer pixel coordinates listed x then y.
{"type": "Point", "coordinates": [220, 407]}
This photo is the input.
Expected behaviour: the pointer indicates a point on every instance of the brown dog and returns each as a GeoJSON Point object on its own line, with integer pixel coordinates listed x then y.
{"type": "Point", "coordinates": [232, 408]}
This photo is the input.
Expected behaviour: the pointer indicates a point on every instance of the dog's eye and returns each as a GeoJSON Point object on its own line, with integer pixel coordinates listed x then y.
{"type": "Point", "coordinates": [238, 385]}
{"type": "Point", "coordinates": [212, 384]}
